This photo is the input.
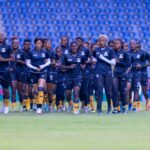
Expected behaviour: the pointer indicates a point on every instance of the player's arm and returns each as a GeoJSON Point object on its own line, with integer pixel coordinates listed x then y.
{"type": "Point", "coordinates": [65, 64]}
{"type": "Point", "coordinates": [47, 63]}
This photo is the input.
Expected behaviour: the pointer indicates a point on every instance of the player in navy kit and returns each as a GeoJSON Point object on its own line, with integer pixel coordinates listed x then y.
{"type": "Point", "coordinates": [5, 58]}
{"type": "Point", "coordinates": [65, 45]}
{"type": "Point", "coordinates": [128, 77]}
{"type": "Point", "coordinates": [51, 76]}
{"type": "Point", "coordinates": [60, 90]}
{"type": "Point", "coordinates": [103, 72]}
{"type": "Point", "coordinates": [119, 83]}
{"type": "Point", "coordinates": [144, 74]}
{"type": "Point", "coordinates": [27, 86]}
{"type": "Point", "coordinates": [137, 62]}
{"type": "Point", "coordinates": [37, 60]}
{"type": "Point", "coordinates": [84, 93]}
{"type": "Point", "coordinates": [17, 74]}
{"type": "Point", "coordinates": [73, 64]}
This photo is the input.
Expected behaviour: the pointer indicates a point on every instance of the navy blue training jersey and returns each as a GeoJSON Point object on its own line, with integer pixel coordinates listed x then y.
{"type": "Point", "coordinates": [85, 53]}
{"type": "Point", "coordinates": [137, 57]}
{"type": "Point", "coordinates": [146, 59]}
{"type": "Point", "coordinates": [38, 57]}
{"type": "Point", "coordinates": [101, 66]}
{"type": "Point", "coordinates": [16, 65]}
{"type": "Point", "coordinates": [52, 56]}
{"type": "Point", "coordinates": [73, 59]}
{"type": "Point", "coordinates": [5, 52]}
{"type": "Point", "coordinates": [124, 62]}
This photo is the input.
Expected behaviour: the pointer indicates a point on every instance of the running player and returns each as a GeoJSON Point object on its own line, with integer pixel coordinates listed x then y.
{"type": "Point", "coordinates": [84, 93]}
{"type": "Point", "coordinates": [137, 61]}
{"type": "Point", "coordinates": [37, 60]}
{"type": "Point", "coordinates": [73, 63]}
{"type": "Point", "coordinates": [119, 83]}
{"type": "Point", "coordinates": [144, 75]}
{"type": "Point", "coordinates": [51, 76]}
{"type": "Point", "coordinates": [27, 87]}
{"type": "Point", "coordinates": [5, 58]}
{"type": "Point", "coordinates": [103, 72]}
{"type": "Point", "coordinates": [60, 90]}
{"type": "Point", "coordinates": [17, 74]}
{"type": "Point", "coordinates": [65, 45]}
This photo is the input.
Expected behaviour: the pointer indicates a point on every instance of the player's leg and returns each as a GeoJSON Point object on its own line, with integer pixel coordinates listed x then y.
{"type": "Point", "coordinates": [115, 85]}
{"type": "Point", "coordinates": [68, 93]}
{"type": "Point", "coordinates": [99, 84]}
{"type": "Point", "coordinates": [123, 93]}
{"type": "Point", "coordinates": [108, 88]}
{"type": "Point", "coordinates": [6, 94]}
{"type": "Point", "coordinates": [136, 86]}
{"type": "Point", "coordinates": [76, 89]}
{"type": "Point", "coordinates": [14, 90]}
{"type": "Point", "coordinates": [41, 85]}
{"type": "Point", "coordinates": [144, 84]}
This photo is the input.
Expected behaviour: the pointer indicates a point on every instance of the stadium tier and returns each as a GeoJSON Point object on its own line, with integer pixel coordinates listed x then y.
{"type": "Point", "coordinates": [88, 18]}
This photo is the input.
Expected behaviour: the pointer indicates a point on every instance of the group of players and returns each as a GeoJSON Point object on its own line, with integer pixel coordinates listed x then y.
{"type": "Point", "coordinates": [73, 76]}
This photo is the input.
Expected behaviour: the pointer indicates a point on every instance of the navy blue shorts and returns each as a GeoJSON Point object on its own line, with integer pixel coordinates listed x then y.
{"type": "Point", "coordinates": [34, 77]}
{"type": "Point", "coordinates": [5, 79]}
{"type": "Point", "coordinates": [27, 78]}
{"type": "Point", "coordinates": [17, 75]}
{"type": "Point", "coordinates": [72, 82]}
{"type": "Point", "coordinates": [52, 77]}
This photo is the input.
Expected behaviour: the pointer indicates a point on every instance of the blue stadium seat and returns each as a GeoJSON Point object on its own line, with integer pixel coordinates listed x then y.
{"type": "Point", "coordinates": [87, 18]}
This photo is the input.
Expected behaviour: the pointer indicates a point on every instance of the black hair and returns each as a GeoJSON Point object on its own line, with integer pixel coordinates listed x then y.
{"type": "Point", "coordinates": [27, 40]}
{"type": "Point", "coordinates": [87, 43]}
{"type": "Point", "coordinates": [38, 39]}
{"type": "Point", "coordinates": [80, 38]}
{"type": "Point", "coordinates": [65, 36]}
{"type": "Point", "coordinates": [110, 41]}
{"type": "Point", "coordinates": [44, 40]}
{"type": "Point", "coordinates": [57, 48]}
{"type": "Point", "coordinates": [73, 42]}
{"type": "Point", "coordinates": [120, 40]}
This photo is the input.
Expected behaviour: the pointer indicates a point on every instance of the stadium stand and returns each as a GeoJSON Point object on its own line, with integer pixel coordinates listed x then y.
{"type": "Point", "coordinates": [88, 18]}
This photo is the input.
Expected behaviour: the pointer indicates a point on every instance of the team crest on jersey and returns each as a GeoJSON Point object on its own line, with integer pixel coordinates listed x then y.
{"type": "Point", "coordinates": [78, 60]}
{"type": "Point", "coordinates": [121, 56]}
{"type": "Point", "coordinates": [106, 54]}
{"type": "Point", "coordinates": [18, 56]}
{"type": "Point", "coordinates": [3, 50]}
{"type": "Point", "coordinates": [66, 51]}
{"type": "Point", "coordinates": [35, 55]}
{"type": "Point", "coordinates": [97, 75]}
{"type": "Point", "coordinates": [70, 59]}
{"type": "Point", "coordinates": [82, 53]}
{"type": "Point", "coordinates": [43, 55]}
{"type": "Point", "coordinates": [97, 53]}
{"type": "Point", "coordinates": [138, 56]}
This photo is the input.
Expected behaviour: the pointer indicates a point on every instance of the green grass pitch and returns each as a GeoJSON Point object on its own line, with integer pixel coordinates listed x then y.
{"type": "Point", "coordinates": [63, 131]}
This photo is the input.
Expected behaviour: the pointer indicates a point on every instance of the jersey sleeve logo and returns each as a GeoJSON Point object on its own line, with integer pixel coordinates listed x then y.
{"type": "Point", "coordinates": [66, 52]}
{"type": "Point", "coordinates": [121, 56]}
{"type": "Point", "coordinates": [97, 53]}
{"type": "Point", "coordinates": [69, 59]}
{"type": "Point", "coordinates": [82, 53]}
{"type": "Point", "coordinates": [43, 54]}
{"type": "Point", "coordinates": [35, 55]}
{"type": "Point", "coordinates": [18, 56]}
{"type": "Point", "coordinates": [78, 60]}
{"type": "Point", "coordinates": [138, 56]}
{"type": "Point", "coordinates": [3, 50]}
{"type": "Point", "coordinates": [106, 54]}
